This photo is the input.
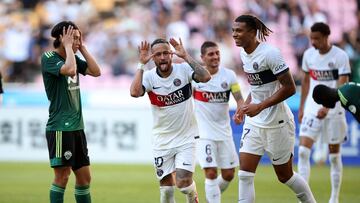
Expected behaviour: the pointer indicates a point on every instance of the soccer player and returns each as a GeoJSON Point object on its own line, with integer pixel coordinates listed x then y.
{"type": "Point", "coordinates": [325, 64]}
{"type": "Point", "coordinates": [169, 89]}
{"type": "Point", "coordinates": [65, 127]}
{"type": "Point", "coordinates": [348, 95]}
{"type": "Point", "coordinates": [269, 124]}
{"type": "Point", "coordinates": [215, 147]}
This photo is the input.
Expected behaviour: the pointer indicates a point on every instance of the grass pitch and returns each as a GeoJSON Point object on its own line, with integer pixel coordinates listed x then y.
{"type": "Point", "coordinates": [29, 183]}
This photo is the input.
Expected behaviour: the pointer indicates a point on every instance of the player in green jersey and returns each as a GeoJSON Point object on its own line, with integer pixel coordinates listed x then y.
{"type": "Point", "coordinates": [348, 94]}
{"type": "Point", "coordinates": [65, 127]}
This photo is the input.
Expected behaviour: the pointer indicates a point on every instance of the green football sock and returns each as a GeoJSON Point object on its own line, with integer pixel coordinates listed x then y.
{"type": "Point", "coordinates": [82, 194]}
{"type": "Point", "coordinates": [56, 194]}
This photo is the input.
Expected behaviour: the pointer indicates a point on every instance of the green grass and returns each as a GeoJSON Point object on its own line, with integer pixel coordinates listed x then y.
{"type": "Point", "coordinates": [29, 183]}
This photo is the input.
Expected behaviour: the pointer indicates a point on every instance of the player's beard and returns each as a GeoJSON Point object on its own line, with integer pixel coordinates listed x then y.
{"type": "Point", "coordinates": [164, 67]}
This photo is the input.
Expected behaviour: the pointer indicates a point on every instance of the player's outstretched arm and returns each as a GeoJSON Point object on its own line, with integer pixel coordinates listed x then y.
{"type": "Point", "coordinates": [93, 68]}
{"type": "Point", "coordinates": [136, 88]}
{"type": "Point", "coordinates": [200, 73]}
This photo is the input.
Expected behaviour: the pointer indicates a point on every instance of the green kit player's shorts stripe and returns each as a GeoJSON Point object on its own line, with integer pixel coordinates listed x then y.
{"type": "Point", "coordinates": [58, 144]}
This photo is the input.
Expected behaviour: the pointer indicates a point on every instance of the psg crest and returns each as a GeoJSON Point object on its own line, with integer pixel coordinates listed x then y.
{"type": "Point", "coordinates": [177, 82]}
{"type": "Point", "coordinates": [255, 66]}
{"type": "Point", "coordinates": [224, 85]}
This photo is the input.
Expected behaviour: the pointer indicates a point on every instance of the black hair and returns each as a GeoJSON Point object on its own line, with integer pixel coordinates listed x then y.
{"type": "Point", "coordinates": [57, 30]}
{"type": "Point", "coordinates": [255, 24]}
{"type": "Point", "coordinates": [158, 41]}
{"type": "Point", "coordinates": [325, 95]}
{"type": "Point", "coordinates": [321, 27]}
{"type": "Point", "coordinates": [206, 45]}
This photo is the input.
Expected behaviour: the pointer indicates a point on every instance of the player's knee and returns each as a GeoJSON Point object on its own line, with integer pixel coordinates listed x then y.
{"type": "Point", "coordinates": [228, 175]}
{"type": "Point", "coordinates": [284, 177]}
{"type": "Point", "coordinates": [211, 174]}
{"type": "Point", "coordinates": [62, 177]}
{"type": "Point", "coordinates": [246, 177]}
{"type": "Point", "coordinates": [304, 152]}
{"type": "Point", "coordinates": [183, 182]}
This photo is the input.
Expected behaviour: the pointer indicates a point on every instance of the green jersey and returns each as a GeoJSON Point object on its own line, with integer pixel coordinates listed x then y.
{"type": "Point", "coordinates": [63, 92]}
{"type": "Point", "coordinates": [349, 95]}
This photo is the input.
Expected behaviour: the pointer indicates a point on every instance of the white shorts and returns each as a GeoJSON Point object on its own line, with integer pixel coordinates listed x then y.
{"type": "Point", "coordinates": [277, 142]}
{"type": "Point", "coordinates": [166, 161]}
{"type": "Point", "coordinates": [219, 154]}
{"type": "Point", "coordinates": [332, 130]}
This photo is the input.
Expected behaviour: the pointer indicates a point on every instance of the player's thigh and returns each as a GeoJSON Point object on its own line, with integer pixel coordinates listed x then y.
{"type": "Point", "coordinates": [81, 151]}
{"type": "Point", "coordinates": [251, 147]}
{"type": "Point", "coordinates": [185, 157]}
{"type": "Point", "coordinates": [61, 146]}
{"type": "Point", "coordinates": [227, 157]}
{"type": "Point", "coordinates": [164, 162]}
{"type": "Point", "coordinates": [206, 151]}
{"type": "Point", "coordinates": [280, 143]}
{"type": "Point", "coordinates": [334, 130]}
{"type": "Point", "coordinates": [311, 127]}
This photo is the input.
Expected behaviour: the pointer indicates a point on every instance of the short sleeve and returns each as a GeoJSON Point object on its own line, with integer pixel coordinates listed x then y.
{"type": "Point", "coordinates": [51, 64]}
{"type": "Point", "coordinates": [81, 65]}
{"type": "Point", "coordinates": [343, 64]}
{"type": "Point", "coordinates": [304, 64]}
{"type": "Point", "coordinates": [147, 81]}
{"type": "Point", "coordinates": [189, 71]}
{"type": "Point", "coordinates": [276, 62]}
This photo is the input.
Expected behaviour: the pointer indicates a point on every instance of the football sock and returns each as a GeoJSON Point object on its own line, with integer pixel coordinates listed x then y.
{"type": "Point", "coordinates": [212, 191]}
{"type": "Point", "coordinates": [304, 162]}
{"type": "Point", "coordinates": [190, 192]}
{"type": "Point", "coordinates": [336, 176]}
{"type": "Point", "coordinates": [223, 184]}
{"type": "Point", "coordinates": [246, 187]}
{"type": "Point", "coordinates": [82, 194]}
{"type": "Point", "coordinates": [302, 190]}
{"type": "Point", "coordinates": [56, 194]}
{"type": "Point", "coordinates": [167, 194]}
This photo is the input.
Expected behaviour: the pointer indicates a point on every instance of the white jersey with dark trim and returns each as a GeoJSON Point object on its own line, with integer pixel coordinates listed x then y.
{"type": "Point", "coordinates": [324, 69]}
{"type": "Point", "coordinates": [212, 105]}
{"type": "Point", "coordinates": [172, 109]}
{"type": "Point", "coordinates": [261, 67]}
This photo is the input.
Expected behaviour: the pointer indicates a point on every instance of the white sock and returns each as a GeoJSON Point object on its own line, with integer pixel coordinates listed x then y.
{"type": "Point", "coordinates": [212, 191]}
{"type": "Point", "coordinates": [246, 187]}
{"type": "Point", "coordinates": [167, 194]}
{"type": "Point", "coordinates": [336, 176]}
{"type": "Point", "coordinates": [304, 162]}
{"type": "Point", "coordinates": [302, 190]}
{"type": "Point", "coordinates": [223, 184]}
{"type": "Point", "coordinates": [190, 192]}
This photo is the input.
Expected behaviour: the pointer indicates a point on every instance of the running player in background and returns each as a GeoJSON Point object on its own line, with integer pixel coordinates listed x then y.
{"type": "Point", "coordinates": [215, 147]}
{"type": "Point", "coordinates": [328, 65]}
{"type": "Point", "coordinates": [269, 124]}
{"type": "Point", "coordinates": [65, 128]}
{"type": "Point", "coordinates": [174, 130]}
{"type": "Point", "coordinates": [348, 95]}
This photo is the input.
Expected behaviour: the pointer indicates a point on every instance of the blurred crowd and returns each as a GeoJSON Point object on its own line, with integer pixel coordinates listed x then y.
{"type": "Point", "coordinates": [113, 29]}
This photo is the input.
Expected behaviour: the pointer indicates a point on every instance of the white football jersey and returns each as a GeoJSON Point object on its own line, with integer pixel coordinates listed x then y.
{"type": "Point", "coordinates": [212, 105]}
{"type": "Point", "coordinates": [261, 67]}
{"type": "Point", "coordinates": [324, 69]}
{"type": "Point", "coordinates": [172, 108]}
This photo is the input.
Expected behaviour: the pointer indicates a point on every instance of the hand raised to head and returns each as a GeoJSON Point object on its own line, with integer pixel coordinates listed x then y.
{"type": "Point", "coordinates": [179, 48]}
{"type": "Point", "coordinates": [67, 38]}
{"type": "Point", "coordinates": [144, 52]}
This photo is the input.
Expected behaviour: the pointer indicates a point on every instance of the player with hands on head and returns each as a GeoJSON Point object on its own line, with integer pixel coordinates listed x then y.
{"type": "Point", "coordinates": [168, 86]}
{"type": "Point", "coordinates": [65, 127]}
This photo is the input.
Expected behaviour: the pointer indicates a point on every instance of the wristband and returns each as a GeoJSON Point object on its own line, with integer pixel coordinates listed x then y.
{"type": "Point", "coordinates": [141, 66]}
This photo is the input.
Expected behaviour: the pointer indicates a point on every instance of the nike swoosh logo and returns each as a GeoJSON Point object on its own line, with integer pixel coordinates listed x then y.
{"type": "Point", "coordinates": [186, 164]}
{"type": "Point", "coordinates": [156, 87]}
{"type": "Point", "coordinates": [276, 159]}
